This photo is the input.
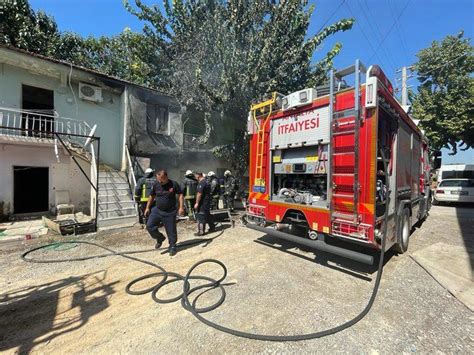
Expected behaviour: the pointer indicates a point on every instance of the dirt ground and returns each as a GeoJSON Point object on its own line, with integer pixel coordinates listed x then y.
{"type": "Point", "coordinates": [274, 288]}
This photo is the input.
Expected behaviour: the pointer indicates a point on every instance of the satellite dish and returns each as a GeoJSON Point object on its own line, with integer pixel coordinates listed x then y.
{"type": "Point", "coordinates": [89, 137]}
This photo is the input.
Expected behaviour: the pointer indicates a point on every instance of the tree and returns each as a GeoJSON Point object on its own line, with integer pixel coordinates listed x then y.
{"type": "Point", "coordinates": [224, 54]}
{"type": "Point", "coordinates": [24, 28]}
{"type": "Point", "coordinates": [128, 55]}
{"type": "Point", "coordinates": [445, 100]}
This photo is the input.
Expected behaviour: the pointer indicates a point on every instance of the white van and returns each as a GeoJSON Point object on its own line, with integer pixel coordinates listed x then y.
{"type": "Point", "coordinates": [455, 171]}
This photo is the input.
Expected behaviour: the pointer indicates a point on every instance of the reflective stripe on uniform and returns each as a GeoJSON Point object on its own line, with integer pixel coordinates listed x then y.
{"type": "Point", "coordinates": [144, 197]}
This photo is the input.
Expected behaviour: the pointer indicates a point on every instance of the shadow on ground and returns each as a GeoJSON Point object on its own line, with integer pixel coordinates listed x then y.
{"type": "Point", "coordinates": [465, 216]}
{"type": "Point", "coordinates": [335, 262]}
{"type": "Point", "coordinates": [204, 242]}
{"type": "Point", "coordinates": [28, 314]}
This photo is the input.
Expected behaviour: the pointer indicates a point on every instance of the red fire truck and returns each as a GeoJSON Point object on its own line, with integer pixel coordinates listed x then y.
{"type": "Point", "coordinates": [326, 160]}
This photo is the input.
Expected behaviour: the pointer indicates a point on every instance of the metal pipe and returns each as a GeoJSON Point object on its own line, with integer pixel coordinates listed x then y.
{"type": "Point", "coordinates": [96, 221]}
{"type": "Point", "coordinates": [329, 155]}
{"type": "Point", "coordinates": [316, 244]}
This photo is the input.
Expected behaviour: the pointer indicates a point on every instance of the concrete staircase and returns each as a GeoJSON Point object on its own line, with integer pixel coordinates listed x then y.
{"type": "Point", "coordinates": [116, 205]}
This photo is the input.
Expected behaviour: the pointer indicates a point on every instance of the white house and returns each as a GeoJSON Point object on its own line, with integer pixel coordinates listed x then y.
{"type": "Point", "coordinates": [49, 108]}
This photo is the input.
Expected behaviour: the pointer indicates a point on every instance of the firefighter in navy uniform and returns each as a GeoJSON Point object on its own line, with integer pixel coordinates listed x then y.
{"type": "Point", "coordinates": [230, 188]}
{"type": "Point", "coordinates": [164, 193]}
{"type": "Point", "coordinates": [203, 205]}
{"type": "Point", "coordinates": [142, 193]}
{"type": "Point", "coordinates": [189, 191]}
{"type": "Point", "coordinates": [215, 190]}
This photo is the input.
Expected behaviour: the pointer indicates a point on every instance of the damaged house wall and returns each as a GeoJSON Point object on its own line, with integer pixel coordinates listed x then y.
{"type": "Point", "coordinates": [154, 123]}
{"type": "Point", "coordinates": [172, 136]}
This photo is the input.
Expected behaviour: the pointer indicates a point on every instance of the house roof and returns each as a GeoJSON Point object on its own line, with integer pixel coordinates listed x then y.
{"type": "Point", "coordinates": [79, 67]}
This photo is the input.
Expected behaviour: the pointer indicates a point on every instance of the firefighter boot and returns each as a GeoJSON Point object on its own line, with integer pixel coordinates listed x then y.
{"type": "Point", "coordinates": [200, 231]}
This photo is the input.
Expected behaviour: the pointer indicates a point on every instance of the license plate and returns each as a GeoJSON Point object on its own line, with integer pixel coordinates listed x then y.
{"type": "Point", "coordinates": [458, 192]}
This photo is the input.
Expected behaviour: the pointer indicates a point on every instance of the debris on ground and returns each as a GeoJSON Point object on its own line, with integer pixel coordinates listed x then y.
{"type": "Point", "coordinates": [78, 223]}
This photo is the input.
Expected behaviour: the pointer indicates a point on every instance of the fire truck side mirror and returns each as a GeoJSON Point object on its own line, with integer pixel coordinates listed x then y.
{"type": "Point", "coordinates": [371, 84]}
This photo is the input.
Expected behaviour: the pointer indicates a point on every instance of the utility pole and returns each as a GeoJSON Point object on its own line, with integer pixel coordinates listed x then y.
{"type": "Point", "coordinates": [404, 79]}
{"type": "Point", "coordinates": [404, 87]}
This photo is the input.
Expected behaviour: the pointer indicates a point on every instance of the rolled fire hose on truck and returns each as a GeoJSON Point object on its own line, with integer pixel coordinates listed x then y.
{"type": "Point", "coordinates": [170, 277]}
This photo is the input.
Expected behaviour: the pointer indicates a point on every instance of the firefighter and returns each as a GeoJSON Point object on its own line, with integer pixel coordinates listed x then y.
{"type": "Point", "coordinates": [230, 188]}
{"type": "Point", "coordinates": [203, 205]}
{"type": "Point", "coordinates": [142, 193]}
{"type": "Point", "coordinates": [164, 193]}
{"type": "Point", "coordinates": [221, 181]}
{"type": "Point", "coordinates": [189, 190]}
{"type": "Point", "coordinates": [214, 185]}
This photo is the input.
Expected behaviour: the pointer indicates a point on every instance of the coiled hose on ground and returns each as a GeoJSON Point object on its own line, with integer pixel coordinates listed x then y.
{"type": "Point", "coordinates": [170, 277]}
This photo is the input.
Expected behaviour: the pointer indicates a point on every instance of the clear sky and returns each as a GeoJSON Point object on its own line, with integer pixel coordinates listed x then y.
{"type": "Point", "coordinates": [387, 32]}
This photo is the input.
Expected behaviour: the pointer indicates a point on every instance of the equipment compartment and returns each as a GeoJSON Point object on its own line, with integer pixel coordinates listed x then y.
{"type": "Point", "coordinates": [299, 175]}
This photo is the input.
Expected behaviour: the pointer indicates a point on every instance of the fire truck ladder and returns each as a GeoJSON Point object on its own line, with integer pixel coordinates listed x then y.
{"type": "Point", "coordinates": [344, 188]}
{"type": "Point", "coordinates": [264, 109]}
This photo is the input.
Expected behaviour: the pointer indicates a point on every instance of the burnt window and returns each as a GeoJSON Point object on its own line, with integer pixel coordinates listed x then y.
{"type": "Point", "coordinates": [157, 119]}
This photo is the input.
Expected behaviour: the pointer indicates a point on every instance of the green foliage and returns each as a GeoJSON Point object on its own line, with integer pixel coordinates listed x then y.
{"type": "Point", "coordinates": [224, 54]}
{"type": "Point", "coordinates": [24, 28]}
{"type": "Point", "coordinates": [445, 99]}
{"type": "Point", "coordinates": [128, 56]}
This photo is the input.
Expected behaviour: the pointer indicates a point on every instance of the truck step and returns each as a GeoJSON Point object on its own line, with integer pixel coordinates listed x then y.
{"type": "Point", "coordinates": [342, 133]}
{"type": "Point", "coordinates": [343, 217]}
{"type": "Point", "coordinates": [344, 153]}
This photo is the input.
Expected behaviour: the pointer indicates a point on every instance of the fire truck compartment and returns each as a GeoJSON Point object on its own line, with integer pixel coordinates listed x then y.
{"type": "Point", "coordinates": [299, 175]}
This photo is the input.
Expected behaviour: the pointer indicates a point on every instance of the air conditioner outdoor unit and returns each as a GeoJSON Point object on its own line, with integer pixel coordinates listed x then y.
{"type": "Point", "coordinates": [90, 92]}
{"type": "Point", "coordinates": [298, 98]}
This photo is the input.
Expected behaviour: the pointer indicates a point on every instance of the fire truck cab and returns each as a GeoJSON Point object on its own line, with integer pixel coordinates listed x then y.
{"type": "Point", "coordinates": [318, 158]}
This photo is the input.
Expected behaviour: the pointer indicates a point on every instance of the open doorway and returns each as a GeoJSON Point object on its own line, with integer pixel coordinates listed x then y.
{"type": "Point", "coordinates": [30, 189]}
{"type": "Point", "coordinates": [37, 101]}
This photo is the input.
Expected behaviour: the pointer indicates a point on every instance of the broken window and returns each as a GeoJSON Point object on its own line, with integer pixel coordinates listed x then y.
{"type": "Point", "coordinates": [157, 119]}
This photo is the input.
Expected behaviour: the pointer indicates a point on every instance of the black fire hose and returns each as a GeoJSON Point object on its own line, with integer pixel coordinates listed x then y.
{"type": "Point", "coordinates": [170, 277]}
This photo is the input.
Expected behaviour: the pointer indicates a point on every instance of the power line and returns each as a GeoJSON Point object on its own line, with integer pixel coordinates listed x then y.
{"type": "Point", "coordinates": [378, 31]}
{"type": "Point", "coordinates": [398, 28]}
{"type": "Point", "coordinates": [443, 65]}
{"type": "Point", "coordinates": [330, 17]}
{"type": "Point", "coordinates": [390, 30]}
{"type": "Point", "coordinates": [366, 37]}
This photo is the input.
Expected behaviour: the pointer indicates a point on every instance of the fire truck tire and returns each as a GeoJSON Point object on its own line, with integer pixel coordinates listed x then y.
{"type": "Point", "coordinates": [403, 233]}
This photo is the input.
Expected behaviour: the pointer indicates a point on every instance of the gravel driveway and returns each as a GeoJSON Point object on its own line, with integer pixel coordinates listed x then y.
{"type": "Point", "coordinates": [275, 288]}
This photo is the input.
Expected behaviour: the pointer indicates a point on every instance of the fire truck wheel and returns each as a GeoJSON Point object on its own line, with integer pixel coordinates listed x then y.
{"type": "Point", "coordinates": [403, 235]}
{"type": "Point", "coordinates": [312, 235]}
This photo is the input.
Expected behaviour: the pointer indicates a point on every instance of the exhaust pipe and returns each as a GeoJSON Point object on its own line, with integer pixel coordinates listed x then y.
{"type": "Point", "coordinates": [316, 244]}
